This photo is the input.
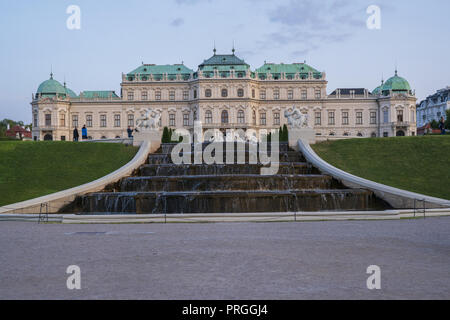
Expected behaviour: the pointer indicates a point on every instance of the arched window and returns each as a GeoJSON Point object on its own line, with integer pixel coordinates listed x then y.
{"type": "Point", "coordinates": [240, 93]}
{"type": "Point", "coordinates": [208, 93]}
{"type": "Point", "coordinates": [208, 116]}
{"type": "Point", "coordinates": [359, 134]}
{"type": "Point", "coordinates": [224, 116]}
{"type": "Point", "coordinates": [224, 93]}
{"type": "Point", "coordinates": [374, 135]}
{"type": "Point", "coordinates": [240, 116]}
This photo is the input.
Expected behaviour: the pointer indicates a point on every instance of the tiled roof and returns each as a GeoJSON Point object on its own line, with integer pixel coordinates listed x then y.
{"type": "Point", "coordinates": [161, 69]}
{"type": "Point", "coordinates": [286, 68]}
{"type": "Point", "coordinates": [223, 59]}
{"type": "Point", "coordinates": [346, 91]}
{"type": "Point", "coordinates": [99, 94]}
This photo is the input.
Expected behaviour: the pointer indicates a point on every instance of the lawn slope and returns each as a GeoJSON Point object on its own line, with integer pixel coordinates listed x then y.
{"type": "Point", "coordinates": [418, 164]}
{"type": "Point", "coordinates": [32, 169]}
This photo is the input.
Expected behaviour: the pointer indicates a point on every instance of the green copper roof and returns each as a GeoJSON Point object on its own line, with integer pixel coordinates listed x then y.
{"type": "Point", "coordinates": [99, 94]}
{"type": "Point", "coordinates": [51, 87]}
{"type": "Point", "coordinates": [289, 69]}
{"type": "Point", "coordinates": [147, 69]}
{"type": "Point", "coordinates": [396, 83]}
{"type": "Point", "coordinates": [223, 60]}
{"type": "Point", "coordinates": [70, 93]}
{"type": "Point", "coordinates": [377, 90]}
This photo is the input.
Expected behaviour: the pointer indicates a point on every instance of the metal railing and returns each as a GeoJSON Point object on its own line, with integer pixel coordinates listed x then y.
{"type": "Point", "coordinates": [421, 209]}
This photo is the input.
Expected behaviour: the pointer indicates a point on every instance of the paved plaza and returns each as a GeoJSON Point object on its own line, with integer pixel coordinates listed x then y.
{"type": "Point", "coordinates": [308, 260]}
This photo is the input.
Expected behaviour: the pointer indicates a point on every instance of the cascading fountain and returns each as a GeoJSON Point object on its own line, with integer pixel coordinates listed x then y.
{"type": "Point", "coordinates": [161, 186]}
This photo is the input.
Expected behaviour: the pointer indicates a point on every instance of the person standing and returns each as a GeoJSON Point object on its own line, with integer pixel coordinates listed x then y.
{"type": "Point", "coordinates": [76, 135]}
{"type": "Point", "coordinates": [130, 132]}
{"type": "Point", "coordinates": [84, 133]}
{"type": "Point", "coordinates": [442, 125]}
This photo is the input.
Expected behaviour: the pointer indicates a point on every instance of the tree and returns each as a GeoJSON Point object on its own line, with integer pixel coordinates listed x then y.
{"type": "Point", "coordinates": [285, 134]}
{"type": "Point", "coordinates": [165, 136]}
{"type": "Point", "coordinates": [434, 124]}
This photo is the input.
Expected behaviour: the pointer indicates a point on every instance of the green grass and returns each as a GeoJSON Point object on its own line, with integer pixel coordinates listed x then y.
{"type": "Point", "coordinates": [418, 164]}
{"type": "Point", "coordinates": [33, 169]}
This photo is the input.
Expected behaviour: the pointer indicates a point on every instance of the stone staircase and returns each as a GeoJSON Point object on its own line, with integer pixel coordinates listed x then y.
{"type": "Point", "coordinates": [160, 186]}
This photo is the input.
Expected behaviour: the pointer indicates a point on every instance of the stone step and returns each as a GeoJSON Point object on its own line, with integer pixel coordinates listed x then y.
{"type": "Point", "coordinates": [228, 201]}
{"type": "Point", "coordinates": [221, 169]}
{"type": "Point", "coordinates": [167, 148]}
{"type": "Point", "coordinates": [227, 182]}
{"type": "Point", "coordinates": [248, 157]}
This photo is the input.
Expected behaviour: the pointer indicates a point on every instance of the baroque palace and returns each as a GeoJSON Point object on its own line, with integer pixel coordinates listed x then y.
{"type": "Point", "coordinates": [225, 93]}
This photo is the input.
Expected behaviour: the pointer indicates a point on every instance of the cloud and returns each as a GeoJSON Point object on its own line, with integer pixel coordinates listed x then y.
{"type": "Point", "coordinates": [309, 24]}
{"type": "Point", "coordinates": [177, 22]}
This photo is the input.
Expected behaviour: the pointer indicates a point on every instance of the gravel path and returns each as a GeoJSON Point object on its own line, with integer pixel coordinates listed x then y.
{"type": "Point", "coordinates": [313, 260]}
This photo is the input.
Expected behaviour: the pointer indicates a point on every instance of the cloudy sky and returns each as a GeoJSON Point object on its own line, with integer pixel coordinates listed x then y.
{"type": "Point", "coordinates": [117, 36]}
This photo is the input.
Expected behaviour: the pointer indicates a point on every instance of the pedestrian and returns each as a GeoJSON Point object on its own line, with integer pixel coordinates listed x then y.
{"type": "Point", "coordinates": [130, 132]}
{"type": "Point", "coordinates": [76, 135]}
{"type": "Point", "coordinates": [84, 133]}
{"type": "Point", "coordinates": [442, 125]}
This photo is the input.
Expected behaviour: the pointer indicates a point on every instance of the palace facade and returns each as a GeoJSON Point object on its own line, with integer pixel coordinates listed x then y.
{"type": "Point", "coordinates": [434, 107]}
{"type": "Point", "coordinates": [225, 93]}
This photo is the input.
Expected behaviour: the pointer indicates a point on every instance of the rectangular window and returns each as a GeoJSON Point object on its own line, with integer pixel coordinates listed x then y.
{"type": "Point", "coordinates": [117, 120]}
{"type": "Point", "coordinates": [318, 118]}
{"type": "Point", "coordinates": [35, 120]}
{"type": "Point", "coordinates": [331, 117]}
{"type": "Point", "coordinates": [345, 118]}
{"type": "Point", "coordinates": [186, 119]}
{"type": "Point", "coordinates": [276, 94]}
{"type": "Point", "coordinates": [276, 118]}
{"type": "Point", "coordinates": [400, 116]}
{"type": "Point", "coordinates": [262, 94]}
{"type": "Point", "coordinates": [103, 120]}
{"type": "Point", "coordinates": [130, 95]}
{"type": "Point", "coordinates": [75, 121]}
{"type": "Point", "coordinates": [318, 95]}
{"type": "Point", "coordinates": [131, 120]}
{"type": "Point", "coordinates": [89, 120]}
{"type": "Point", "coordinates": [144, 95]}
{"type": "Point", "coordinates": [253, 93]}
{"type": "Point", "coordinates": [304, 94]}
{"type": "Point", "coordinates": [62, 120]}
{"type": "Point", "coordinates": [195, 94]}
{"type": "Point", "coordinates": [290, 94]}
{"type": "Point", "coordinates": [171, 95]}
{"type": "Point", "coordinates": [185, 95]}
{"type": "Point", "coordinates": [385, 134]}
{"type": "Point", "coordinates": [158, 95]}
{"type": "Point", "coordinates": [262, 118]}
{"type": "Point", "coordinates": [385, 116]}
{"type": "Point", "coordinates": [63, 138]}
{"type": "Point", "coordinates": [373, 117]}
{"type": "Point", "coordinates": [359, 117]}
{"type": "Point", "coordinates": [208, 116]}
{"type": "Point", "coordinates": [48, 120]}
{"type": "Point", "coordinates": [172, 120]}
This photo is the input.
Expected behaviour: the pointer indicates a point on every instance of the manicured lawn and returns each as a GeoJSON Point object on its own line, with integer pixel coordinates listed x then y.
{"type": "Point", "coordinates": [418, 164]}
{"type": "Point", "coordinates": [32, 169]}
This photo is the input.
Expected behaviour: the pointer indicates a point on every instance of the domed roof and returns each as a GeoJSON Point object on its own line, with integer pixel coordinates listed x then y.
{"type": "Point", "coordinates": [396, 83]}
{"type": "Point", "coordinates": [69, 92]}
{"type": "Point", "coordinates": [377, 90]}
{"type": "Point", "coordinates": [51, 86]}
